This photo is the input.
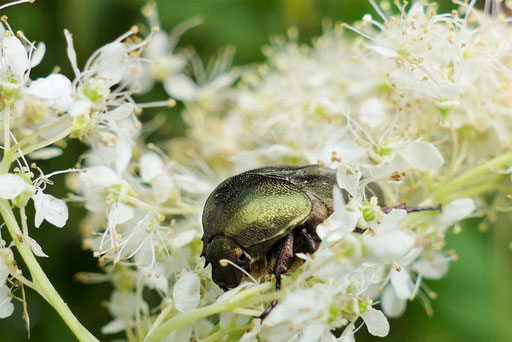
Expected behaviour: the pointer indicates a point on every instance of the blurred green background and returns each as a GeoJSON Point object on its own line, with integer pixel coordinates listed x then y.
{"type": "Point", "coordinates": [475, 299]}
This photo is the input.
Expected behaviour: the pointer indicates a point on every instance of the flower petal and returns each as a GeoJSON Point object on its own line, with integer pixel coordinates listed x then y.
{"type": "Point", "coordinates": [348, 334]}
{"type": "Point", "coordinates": [456, 211]}
{"type": "Point", "coordinates": [392, 305]}
{"type": "Point", "coordinates": [376, 323]}
{"type": "Point", "coordinates": [46, 153]}
{"type": "Point", "coordinates": [51, 209]}
{"type": "Point", "coordinates": [36, 248]}
{"type": "Point", "coordinates": [422, 155]}
{"type": "Point", "coordinates": [181, 87]}
{"type": "Point", "coordinates": [12, 185]}
{"type": "Point", "coordinates": [432, 266]}
{"type": "Point", "coordinates": [342, 222]}
{"type": "Point", "coordinates": [6, 307]}
{"type": "Point", "coordinates": [101, 176]}
{"type": "Point", "coordinates": [372, 113]}
{"type": "Point", "coordinates": [390, 245]}
{"type": "Point", "coordinates": [402, 283]}
{"type": "Point", "coordinates": [71, 52]}
{"type": "Point", "coordinates": [391, 220]}
{"type": "Point", "coordinates": [348, 178]}
{"type": "Point", "coordinates": [51, 87]}
{"type": "Point", "coordinates": [122, 213]}
{"type": "Point", "coordinates": [4, 272]}
{"type": "Point", "coordinates": [383, 51]}
{"type": "Point", "coordinates": [151, 165]}
{"type": "Point", "coordinates": [186, 292]}
{"type": "Point", "coordinates": [15, 55]}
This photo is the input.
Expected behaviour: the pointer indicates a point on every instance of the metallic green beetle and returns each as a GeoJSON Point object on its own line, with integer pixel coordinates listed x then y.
{"type": "Point", "coordinates": [266, 213]}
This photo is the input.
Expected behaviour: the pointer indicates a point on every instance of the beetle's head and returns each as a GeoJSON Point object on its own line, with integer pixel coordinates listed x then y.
{"type": "Point", "coordinates": [224, 273]}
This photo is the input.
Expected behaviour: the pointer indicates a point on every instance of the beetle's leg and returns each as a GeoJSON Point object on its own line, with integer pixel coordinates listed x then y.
{"type": "Point", "coordinates": [310, 242]}
{"type": "Point", "coordinates": [398, 206]}
{"type": "Point", "coordinates": [283, 263]}
{"type": "Point", "coordinates": [434, 207]}
{"type": "Point", "coordinates": [284, 259]}
{"type": "Point", "coordinates": [413, 209]}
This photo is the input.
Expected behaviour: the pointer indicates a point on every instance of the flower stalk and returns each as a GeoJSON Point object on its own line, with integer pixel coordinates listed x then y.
{"type": "Point", "coordinates": [244, 298]}
{"type": "Point", "coordinates": [471, 178]}
{"type": "Point", "coordinates": [41, 283]}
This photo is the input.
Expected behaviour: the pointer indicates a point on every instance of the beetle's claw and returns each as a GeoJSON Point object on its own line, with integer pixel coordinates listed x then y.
{"type": "Point", "coordinates": [203, 254]}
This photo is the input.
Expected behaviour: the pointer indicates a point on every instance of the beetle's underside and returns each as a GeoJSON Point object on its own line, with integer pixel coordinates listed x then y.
{"type": "Point", "coordinates": [279, 258]}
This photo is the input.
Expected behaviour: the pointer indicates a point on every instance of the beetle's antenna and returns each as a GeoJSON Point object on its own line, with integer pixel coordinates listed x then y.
{"type": "Point", "coordinates": [225, 262]}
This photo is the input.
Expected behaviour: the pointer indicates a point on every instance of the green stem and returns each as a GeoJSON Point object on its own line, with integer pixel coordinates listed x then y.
{"type": "Point", "coordinates": [247, 312]}
{"type": "Point", "coordinates": [229, 329]}
{"type": "Point", "coordinates": [138, 308]}
{"type": "Point", "coordinates": [42, 144]}
{"type": "Point", "coordinates": [183, 319]}
{"type": "Point", "coordinates": [471, 176]}
{"type": "Point", "coordinates": [24, 226]}
{"type": "Point", "coordinates": [7, 159]}
{"type": "Point", "coordinates": [130, 335]}
{"type": "Point", "coordinates": [7, 128]}
{"type": "Point", "coordinates": [427, 177]}
{"type": "Point", "coordinates": [229, 304]}
{"type": "Point", "coordinates": [504, 189]}
{"type": "Point", "coordinates": [39, 277]}
{"type": "Point", "coordinates": [477, 189]}
{"type": "Point", "coordinates": [165, 312]}
{"type": "Point", "coordinates": [38, 133]}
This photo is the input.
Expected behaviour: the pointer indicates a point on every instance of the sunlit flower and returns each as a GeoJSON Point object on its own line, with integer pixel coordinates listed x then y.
{"type": "Point", "coordinates": [6, 307]}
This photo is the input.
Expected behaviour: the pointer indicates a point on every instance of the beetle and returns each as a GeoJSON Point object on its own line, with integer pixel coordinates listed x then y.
{"type": "Point", "coordinates": [266, 216]}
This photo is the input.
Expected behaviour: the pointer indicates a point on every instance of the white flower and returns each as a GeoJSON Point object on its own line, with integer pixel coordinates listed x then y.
{"type": "Point", "coordinates": [46, 153]}
{"type": "Point", "coordinates": [163, 64]}
{"type": "Point", "coordinates": [12, 186]}
{"type": "Point", "coordinates": [373, 113]}
{"type": "Point", "coordinates": [181, 87]}
{"type": "Point", "coordinates": [154, 277]}
{"type": "Point", "coordinates": [348, 178]}
{"type": "Point", "coordinates": [15, 57]}
{"type": "Point", "coordinates": [391, 242]}
{"type": "Point", "coordinates": [36, 248]}
{"type": "Point", "coordinates": [348, 334]}
{"type": "Point", "coordinates": [154, 171]}
{"type": "Point", "coordinates": [51, 209]}
{"type": "Point", "coordinates": [390, 246]}
{"type": "Point", "coordinates": [376, 322]}
{"type": "Point", "coordinates": [103, 107]}
{"type": "Point", "coordinates": [6, 307]}
{"type": "Point", "coordinates": [421, 155]}
{"type": "Point", "coordinates": [392, 305]}
{"type": "Point", "coordinates": [432, 265]}
{"type": "Point", "coordinates": [55, 88]}
{"type": "Point", "coordinates": [123, 306]}
{"type": "Point", "coordinates": [300, 306]}
{"type": "Point", "coordinates": [455, 211]}
{"type": "Point", "coordinates": [304, 315]}
{"type": "Point", "coordinates": [341, 222]}
{"type": "Point", "coordinates": [4, 272]}
{"type": "Point", "coordinates": [186, 292]}
{"type": "Point", "coordinates": [401, 288]}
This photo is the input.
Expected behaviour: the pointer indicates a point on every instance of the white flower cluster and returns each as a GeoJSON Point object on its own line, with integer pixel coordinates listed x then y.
{"type": "Point", "coordinates": [97, 107]}
{"type": "Point", "coordinates": [414, 104]}
{"type": "Point", "coordinates": [417, 99]}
